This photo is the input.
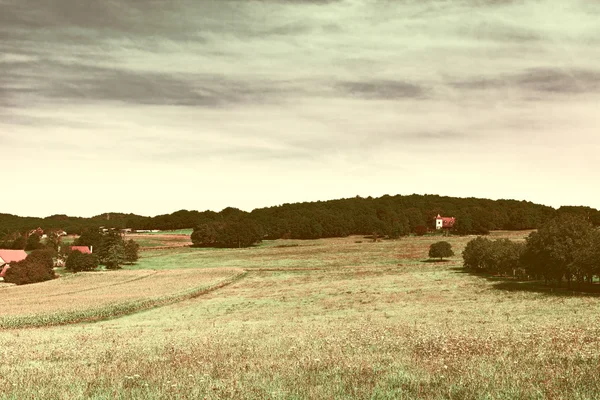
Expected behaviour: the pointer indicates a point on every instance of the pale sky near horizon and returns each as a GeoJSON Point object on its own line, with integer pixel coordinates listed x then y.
{"type": "Point", "coordinates": [150, 106]}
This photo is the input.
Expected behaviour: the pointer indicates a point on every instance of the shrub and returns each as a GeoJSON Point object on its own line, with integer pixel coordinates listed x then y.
{"type": "Point", "coordinates": [420, 230]}
{"type": "Point", "coordinates": [79, 261]}
{"type": "Point", "coordinates": [37, 267]}
{"type": "Point", "coordinates": [440, 250]}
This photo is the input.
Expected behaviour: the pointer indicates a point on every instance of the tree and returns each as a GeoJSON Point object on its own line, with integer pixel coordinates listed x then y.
{"type": "Point", "coordinates": [587, 257]}
{"type": "Point", "coordinates": [474, 253]}
{"type": "Point", "coordinates": [551, 251]}
{"type": "Point", "coordinates": [52, 241]}
{"type": "Point", "coordinates": [37, 267]}
{"type": "Point", "coordinates": [440, 250]}
{"type": "Point", "coordinates": [33, 242]}
{"type": "Point", "coordinates": [19, 243]}
{"type": "Point", "coordinates": [79, 261]}
{"type": "Point", "coordinates": [91, 238]}
{"type": "Point", "coordinates": [237, 233]}
{"type": "Point", "coordinates": [131, 251]}
{"type": "Point", "coordinates": [115, 255]}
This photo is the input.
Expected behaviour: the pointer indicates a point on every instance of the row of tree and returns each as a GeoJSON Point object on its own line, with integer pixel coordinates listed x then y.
{"type": "Point", "coordinates": [388, 215]}
{"type": "Point", "coordinates": [109, 248]}
{"type": "Point", "coordinates": [566, 248]}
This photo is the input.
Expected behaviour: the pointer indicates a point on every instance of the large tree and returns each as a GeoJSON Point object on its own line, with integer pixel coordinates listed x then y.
{"type": "Point", "coordinates": [552, 250]}
{"type": "Point", "coordinates": [37, 267]}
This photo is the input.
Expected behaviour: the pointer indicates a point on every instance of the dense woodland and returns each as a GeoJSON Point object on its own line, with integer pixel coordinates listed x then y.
{"type": "Point", "coordinates": [391, 216]}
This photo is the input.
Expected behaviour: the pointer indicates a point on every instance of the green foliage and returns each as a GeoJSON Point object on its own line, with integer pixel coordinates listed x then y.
{"type": "Point", "coordinates": [91, 238]}
{"type": "Point", "coordinates": [237, 233]}
{"type": "Point", "coordinates": [391, 216]}
{"type": "Point", "coordinates": [475, 252]}
{"type": "Point", "coordinates": [420, 230]}
{"type": "Point", "coordinates": [131, 251]}
{"type": "Point", "coordinates": [52, 241]}
{"type": "Point", "coordinates": [19, 243]}
{"type": "Point", "coordinates": [37, 267]}
{"type": "Point", "coordinates": [551, 252]}
{"type": "Point", "coordinates": [440, 250]}
{"type": "Point", "coordinates": [114, 255]}
{"type": "Point", "coordinates": [33, 242]}
{"type": "Point", "coordinates": [79, 261]}
{"type": "Point", "coordinates": [565, 248]}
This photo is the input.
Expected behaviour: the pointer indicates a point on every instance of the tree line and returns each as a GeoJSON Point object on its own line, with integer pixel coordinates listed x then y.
{"type": "Point", "coordinates": [391, 216]}
{"type": "Point", "coordinates": [565, 249]}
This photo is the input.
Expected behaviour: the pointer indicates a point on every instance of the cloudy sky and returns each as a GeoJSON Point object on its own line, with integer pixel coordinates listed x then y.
{"type": "Point", "coordinates": [152, 106]}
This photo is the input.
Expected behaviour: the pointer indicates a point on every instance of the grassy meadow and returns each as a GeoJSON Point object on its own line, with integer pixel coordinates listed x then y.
{"type": "Point", "coordinates": [322, 319]}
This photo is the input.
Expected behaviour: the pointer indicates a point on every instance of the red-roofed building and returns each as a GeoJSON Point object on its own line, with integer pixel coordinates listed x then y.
{"type": "Point", "coordinates": [82, 249]}
{"type": "Point", "coordinates": [444, 222]}
{"type": "Point", "coordinates": [10, 256]}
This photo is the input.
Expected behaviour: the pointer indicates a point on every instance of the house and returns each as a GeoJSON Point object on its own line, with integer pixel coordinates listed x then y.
{"type": "Point", "coordinates": [38, 231]}
{"type": "Point", "coordinates": [83, 249]}
{"type": "Point", "coordinates": [10, 256]}
{"type": "Point", "coordinates": [444, 222]}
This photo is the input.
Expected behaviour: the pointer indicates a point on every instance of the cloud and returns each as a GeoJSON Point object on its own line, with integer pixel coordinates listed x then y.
{"type": "Point", "coordinates": [546, 80]}
{"type": "Point", "coordinates": [383, 89]}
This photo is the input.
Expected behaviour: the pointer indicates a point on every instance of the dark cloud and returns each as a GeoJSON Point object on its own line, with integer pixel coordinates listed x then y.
{"type": "Point", "coordinates": [546, 80]}
{"type": "Point", "coordinates": [382, 89]}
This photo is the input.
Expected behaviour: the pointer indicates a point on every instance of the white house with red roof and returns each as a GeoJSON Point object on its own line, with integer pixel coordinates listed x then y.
{"type": "Point", "coordinates": [10, 256]}
{"type": "Point", "coordinates": [444, 222]}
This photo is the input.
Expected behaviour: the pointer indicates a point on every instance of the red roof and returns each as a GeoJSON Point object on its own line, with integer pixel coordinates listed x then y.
{"type": "Point", "coordinates": [3, 273]}
{"type": "Point", "coordinates": [447, 222]}
{"type": "Point", "coordinates": [81, 249]}
{"type": "Point", "coordinates": [10, 256]}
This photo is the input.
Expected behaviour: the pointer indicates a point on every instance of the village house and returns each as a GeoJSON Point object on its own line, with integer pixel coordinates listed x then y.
{"type": "Point", "coordinates": [444, 222]}
{"type": "Point", "coordinates": [83, 249]}
{"type": "Point", "coordinates": [10, 256]}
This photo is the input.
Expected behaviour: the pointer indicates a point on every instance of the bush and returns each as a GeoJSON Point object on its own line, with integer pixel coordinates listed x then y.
{"type": "Point", "coordinates": [37, 267]}
{"type": "Point", "coordinates": [420, 230]}
{"type": "Point", "coordinates": [79, 261]}
{"type": "Point", "coordinates": [440, 250]}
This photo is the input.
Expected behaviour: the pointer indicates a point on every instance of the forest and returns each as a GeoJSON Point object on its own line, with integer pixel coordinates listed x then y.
{"type": "Point", "coordinates": [390, 216]}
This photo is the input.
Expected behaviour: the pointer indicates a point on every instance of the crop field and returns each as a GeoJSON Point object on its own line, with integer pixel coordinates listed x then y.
{"type": "Point", "coordinates": [96, 295]}
{"type": "Point", "coordinates": [322, 319]}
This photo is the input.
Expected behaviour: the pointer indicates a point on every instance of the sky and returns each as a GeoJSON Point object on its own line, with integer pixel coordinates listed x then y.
{"type": "Point", "coordinates": [151, 106]}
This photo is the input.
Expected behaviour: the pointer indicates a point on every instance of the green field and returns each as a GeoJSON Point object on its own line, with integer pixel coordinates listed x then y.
{"type": "Point", "coordinates": [322, 319]}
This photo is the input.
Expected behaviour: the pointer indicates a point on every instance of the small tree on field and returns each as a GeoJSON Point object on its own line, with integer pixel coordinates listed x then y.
{"type": "Point", "coordinates": [79, 261]}
{"type": "Point", "coordinates": [440, 250]}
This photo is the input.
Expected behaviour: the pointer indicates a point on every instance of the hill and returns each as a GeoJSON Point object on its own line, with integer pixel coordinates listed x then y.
{"type": "Point", "coordinates": [386, 215]}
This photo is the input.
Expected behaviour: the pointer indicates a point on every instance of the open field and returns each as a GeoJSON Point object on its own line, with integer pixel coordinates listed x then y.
{"type": "Point", "coordinates": [89, 296]}
{"type": "Point", "coordinates": [320, 320]}
{"type": "Point", "coordinates": [150, 240]}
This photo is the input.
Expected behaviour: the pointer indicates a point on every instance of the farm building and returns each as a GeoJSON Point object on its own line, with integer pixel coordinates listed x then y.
{"type": "Point", "coordinates": [10, 256]}
{"type": "Point", "coordinates": [82, 249]}
{"type": "Point", "coordinates": [444, 222]}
